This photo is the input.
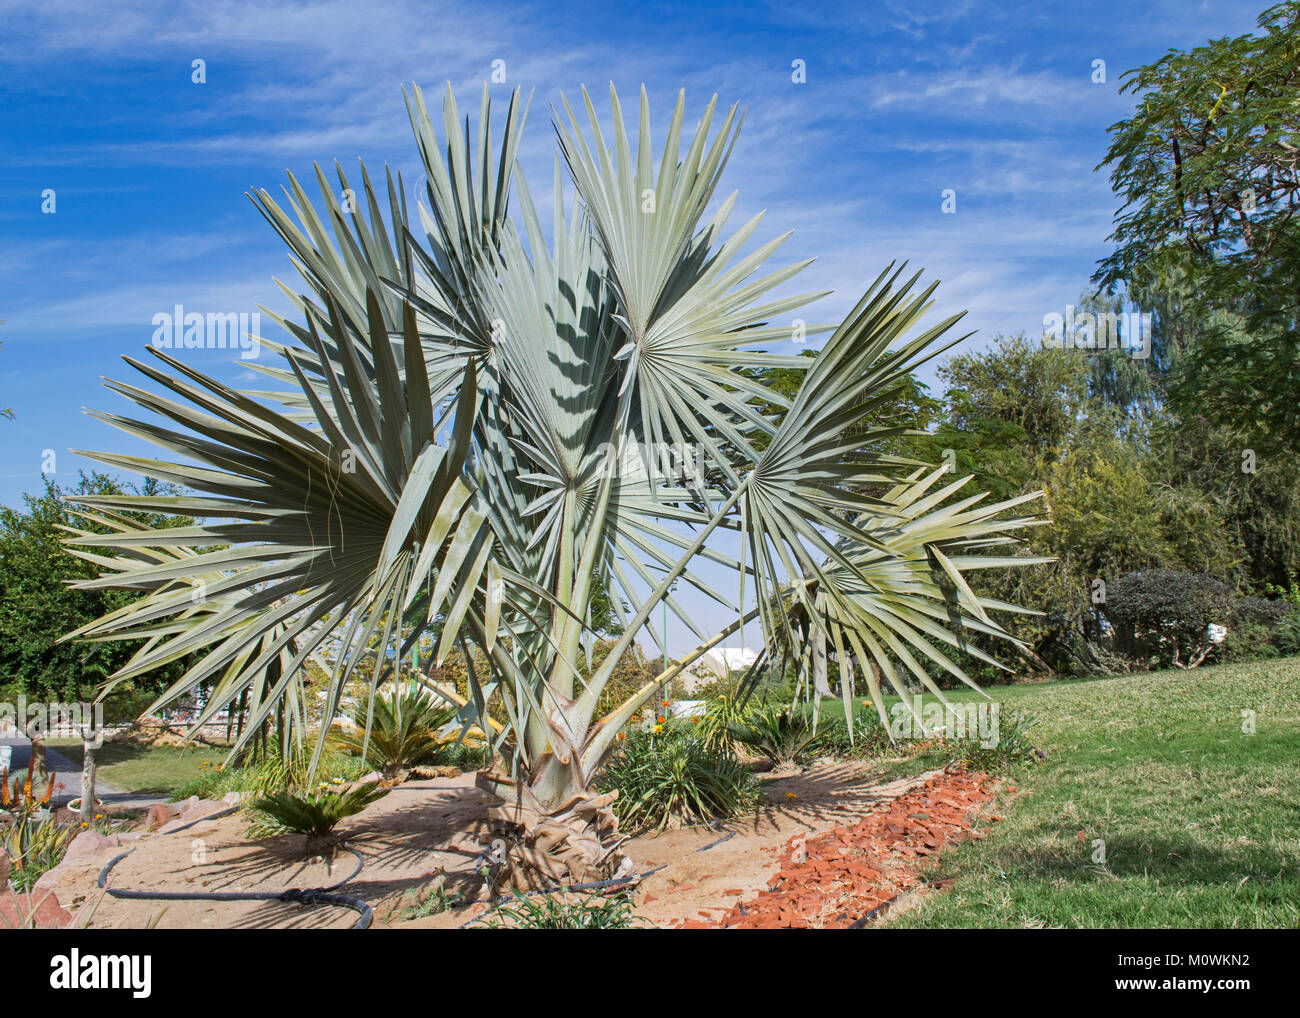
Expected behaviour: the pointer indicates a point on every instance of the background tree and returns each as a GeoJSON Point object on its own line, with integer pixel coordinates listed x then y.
{"type": "Point", "coordinates": [37, 605]}
{"type": "Point", "coordinates": [1208, 167]}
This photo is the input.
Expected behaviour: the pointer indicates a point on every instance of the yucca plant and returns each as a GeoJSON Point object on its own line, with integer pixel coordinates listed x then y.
{"type": "Point", "coordinates": [397, 730]}
{"type": "Point", "coordinates": [456, 445]}
{"type": "Point", "coordinates": [674, 778]}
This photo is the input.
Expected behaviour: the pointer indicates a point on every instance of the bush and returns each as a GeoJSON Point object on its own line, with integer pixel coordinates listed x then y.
{"type": "Point", "coordinates": [1166, 614]}
{"type": "Point", "coordinates": [715, 725]}
{"type": "Point", "coordinates": [1287, 636]}
{"type": "Point", "coordinates": [675, 778]}
{"type": "Point", "coordinates": [1014, 746]}
{"type": "Point", "coordinates": [314, 815]}
{"type": "Point", "coordinates": [870, 736]}
{"type": "Point", "coordinates": [1248, 642]}
{"type": "Point", "coordinates": [35, 843]}
{"type": "Point", "coordinates": [404, 732]}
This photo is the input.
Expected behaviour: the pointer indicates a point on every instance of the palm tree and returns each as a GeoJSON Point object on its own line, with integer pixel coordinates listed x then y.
{"type": "Point", "coordinates": [458, 444]}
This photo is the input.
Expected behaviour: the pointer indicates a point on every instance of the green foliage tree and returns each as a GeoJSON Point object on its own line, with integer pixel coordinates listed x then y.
{"type": "Point", "coordinates": [37, 605]}
{"type": "Point", "coordinates": [1208, 167]}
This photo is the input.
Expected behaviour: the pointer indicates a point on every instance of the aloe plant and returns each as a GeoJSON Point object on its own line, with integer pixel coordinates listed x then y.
{"type": "Point", "coordinates": [454, 445]}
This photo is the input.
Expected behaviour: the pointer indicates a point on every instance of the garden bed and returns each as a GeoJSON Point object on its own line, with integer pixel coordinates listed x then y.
{"type": "Point", "coordinates": [433, 831]}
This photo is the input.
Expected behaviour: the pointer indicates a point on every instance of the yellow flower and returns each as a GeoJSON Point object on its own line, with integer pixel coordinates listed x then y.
{"type": "Point", "coordinates": [658, 729]}
{"type": "Point", "coordinates": [791, 795]}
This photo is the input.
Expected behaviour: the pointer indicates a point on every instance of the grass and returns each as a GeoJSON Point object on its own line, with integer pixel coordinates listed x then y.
{"type": "Point", "coordinates": [155, 770]}
{"type": "Point", "coordinates": [1200, 821]}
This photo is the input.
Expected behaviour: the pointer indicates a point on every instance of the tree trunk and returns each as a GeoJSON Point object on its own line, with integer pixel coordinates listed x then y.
{"type": "Point", "coordinates": [550, 829]}
{"type": "Point", "coordinates": [88, 739]}
{"type": "Point", "coordinates": [38, 769]}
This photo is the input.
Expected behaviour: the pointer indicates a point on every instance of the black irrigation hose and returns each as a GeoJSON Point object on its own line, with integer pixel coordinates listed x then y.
{"type": "Point", "coordinates": [714, 844]}
{"type": "Point", "coordinates": [860, 924]}
{"type": "Point", "coordinates": [210, 816]}
{"type": "Point", "coordinates": [300, 895]}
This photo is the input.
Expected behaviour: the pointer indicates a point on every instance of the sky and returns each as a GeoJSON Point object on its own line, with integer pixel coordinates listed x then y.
{"type": "Point", "coordinates": [900, 102]}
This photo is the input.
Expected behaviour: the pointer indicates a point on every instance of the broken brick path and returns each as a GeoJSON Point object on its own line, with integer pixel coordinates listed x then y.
{"type": "Point", "coordinates": [831, 880]}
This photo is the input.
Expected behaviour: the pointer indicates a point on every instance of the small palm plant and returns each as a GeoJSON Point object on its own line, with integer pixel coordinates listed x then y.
{"type": "Point", "coordinates": [397, 730]}
{"type": "Point", "coordinates": [465, 437]}
{"type": "Point", "coordinates": [783, 734]}
{"type": "Point", "coordinates": [315, 814]}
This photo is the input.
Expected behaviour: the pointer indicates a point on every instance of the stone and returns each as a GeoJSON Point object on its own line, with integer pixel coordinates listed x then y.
{"type": "Point", "coordinates": [201, 808]}
{"type": "Point", "coordinates": [160, 813]}
{"type": "Point", "coordinates": [88, 844]}
{"type": "Point", "coordinates": [38, 911]}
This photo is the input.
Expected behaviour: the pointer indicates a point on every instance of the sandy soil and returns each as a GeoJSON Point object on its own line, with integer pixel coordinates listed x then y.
{"type": "Point", "coordinates": [423, 828]}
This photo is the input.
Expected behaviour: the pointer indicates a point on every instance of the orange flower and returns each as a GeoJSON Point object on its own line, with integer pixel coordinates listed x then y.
{"type": "Point", "coordinates": [622, 736]}
{"type": "Point", "coordinates": [664, 703]}
{"type": "Point", "coordinates": [662, 719]}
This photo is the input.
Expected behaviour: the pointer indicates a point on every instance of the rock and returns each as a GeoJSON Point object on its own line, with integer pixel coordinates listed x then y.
{"type": "Point", "coordinates": [201, 808]}
{"type": "Point", "coordinates": [37, 910]}
{"type": "Point", "coordinates": [160, 813]}
{"type": "Point", "coordinates": [234, 798]}
{"type": "Point", "coordinates": [89, 843]}
{"type": "Point", "coordinates": [4, 869]}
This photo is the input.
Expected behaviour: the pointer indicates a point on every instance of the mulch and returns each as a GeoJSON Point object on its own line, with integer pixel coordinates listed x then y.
{"type": "Point", "coordinates": [848, 874]}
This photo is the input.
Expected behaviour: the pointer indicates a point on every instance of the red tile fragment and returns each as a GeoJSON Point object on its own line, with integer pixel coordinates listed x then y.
{"type": "Point", "coordinates": [845, 873]}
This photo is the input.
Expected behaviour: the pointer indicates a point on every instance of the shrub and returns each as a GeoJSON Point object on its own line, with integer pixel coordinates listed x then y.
{"type": "Point", "coordinates": [1014, 746]}
{"type": "Point", "coordinates": [675, 778]}
{"type": "Point", "coordinates": [1287, 636]}
{"type": "Point", "coordinates": [612, 912]}
{"type": "Point", "coordinates": [314, 815]}
{"type": "Point", "coordinates": [1166, 614]}
{"type": "Point", "coordinates": [870, 736]}
{"type": "Point", "coordinates": [715, 724]}
{"type": "Point", "coordinates": [404, 732]}
{"type": "Point", "coordinates": [1248, 642]}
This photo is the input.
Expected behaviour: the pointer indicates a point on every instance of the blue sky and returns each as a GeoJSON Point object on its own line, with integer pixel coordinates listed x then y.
{"type": "Point", "coordinates": [902, 101]}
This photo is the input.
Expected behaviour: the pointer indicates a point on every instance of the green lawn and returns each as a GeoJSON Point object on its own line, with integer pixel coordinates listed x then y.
{"type": "Point", "coordinates": [158, 770]}
{"type": "Point", "coordinates": [1201, 822]}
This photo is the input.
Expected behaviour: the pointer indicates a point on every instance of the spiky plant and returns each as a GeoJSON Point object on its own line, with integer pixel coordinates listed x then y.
{"type": "Point", "coordinates": [397, 730]}
{"type": "Point", "coordinates": [315, 814]}
{"type": "Point", "coordinates": [456, 446]}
